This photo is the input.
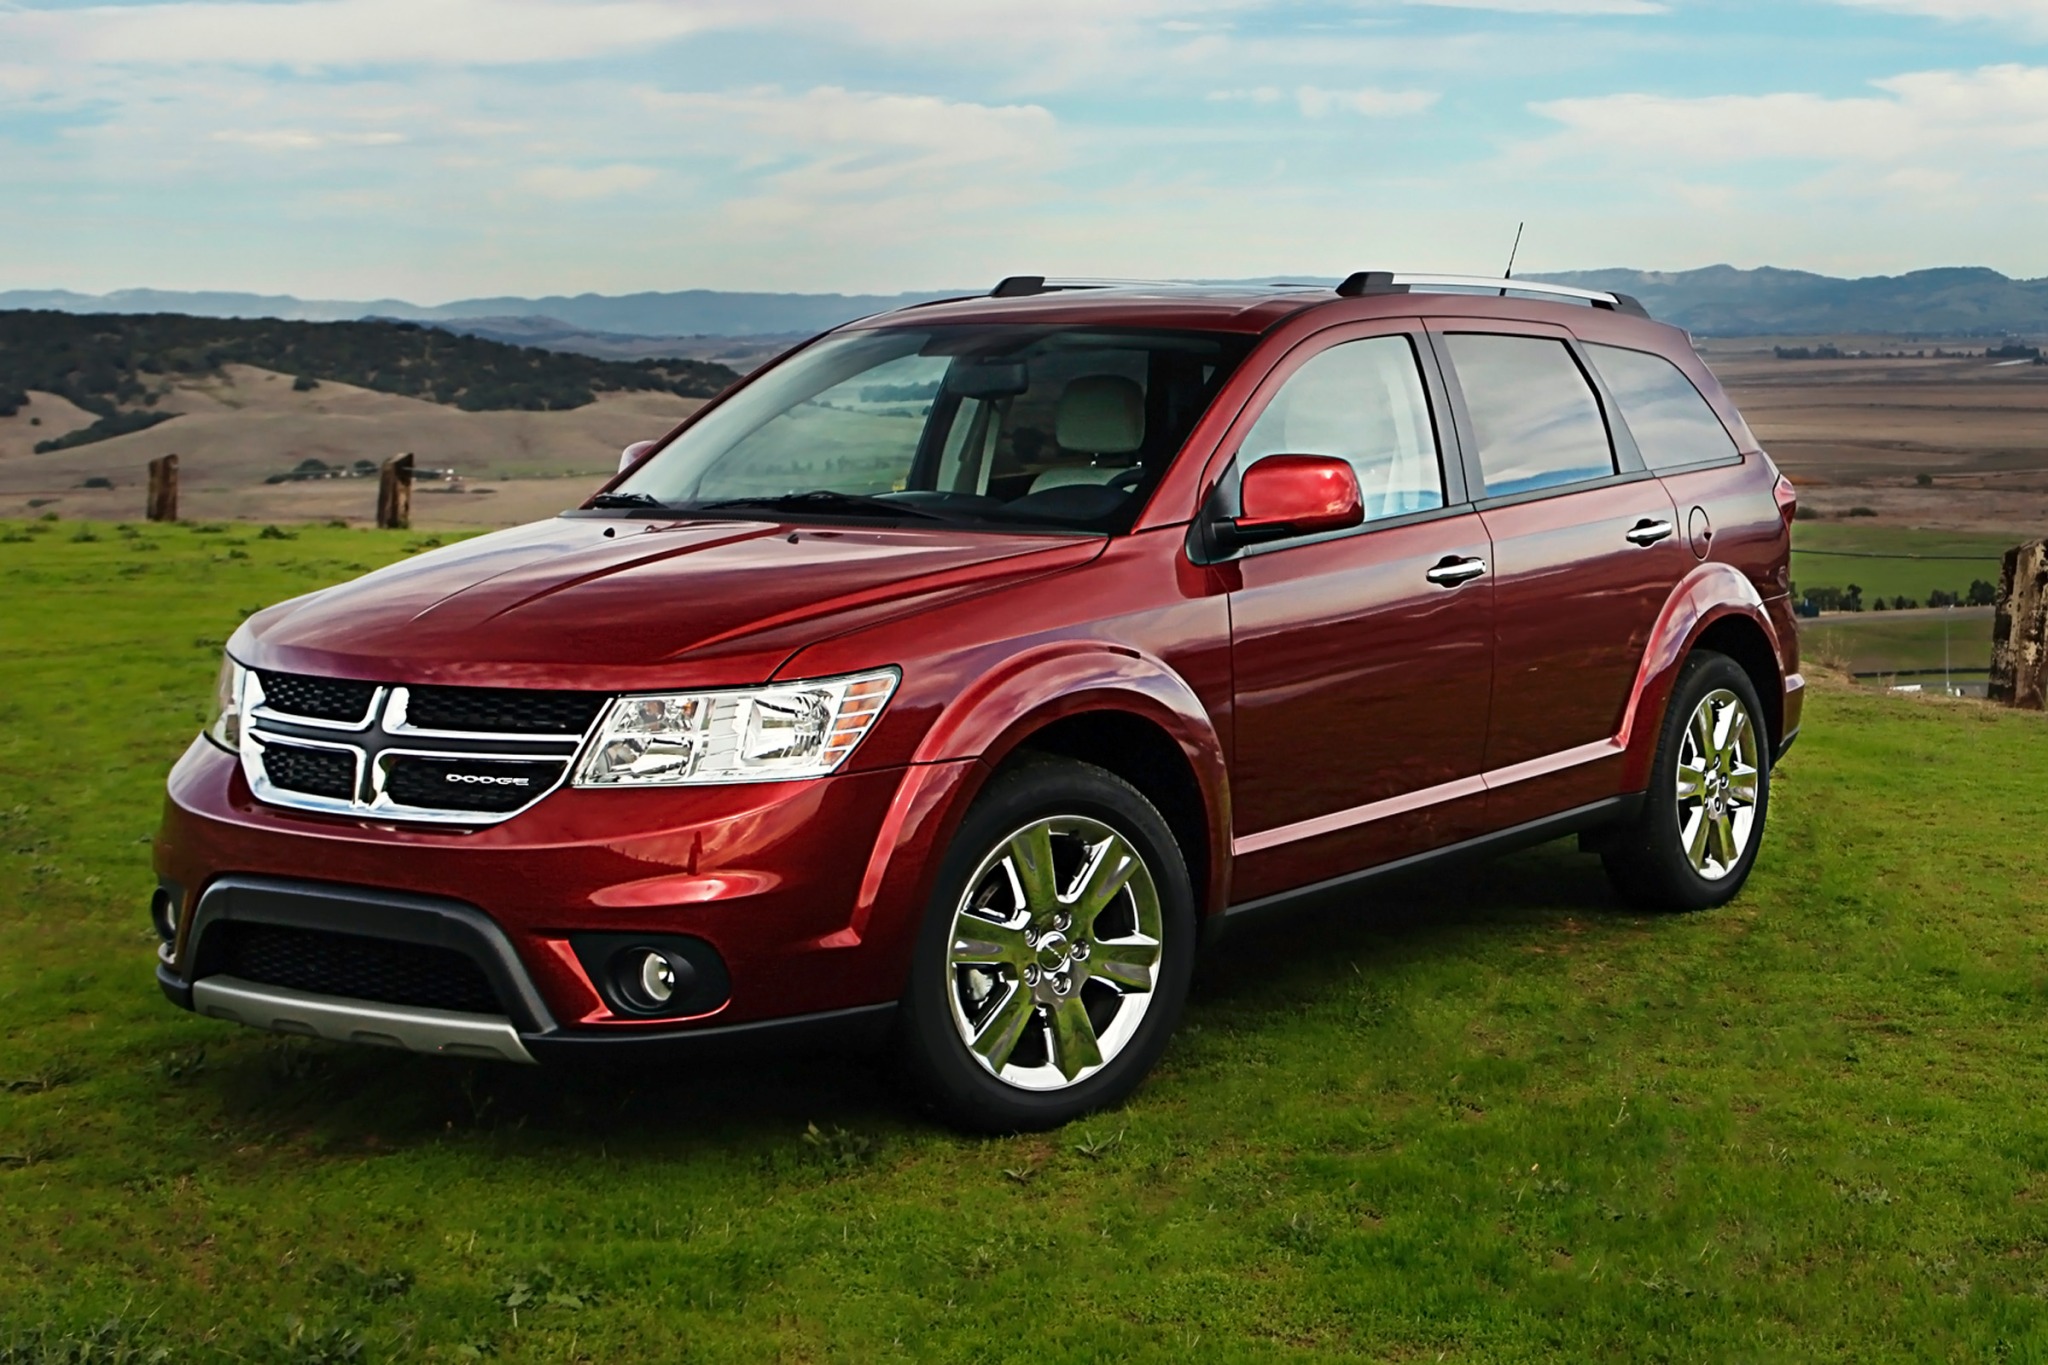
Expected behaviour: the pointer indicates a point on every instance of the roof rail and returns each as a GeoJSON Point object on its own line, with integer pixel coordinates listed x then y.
{"type": "Point", "coordinates": [1023, 286]}
{"type": "Point", "coordinates": [1369, 282]}
{"type": "Point", "coordinates": [1020, 286]}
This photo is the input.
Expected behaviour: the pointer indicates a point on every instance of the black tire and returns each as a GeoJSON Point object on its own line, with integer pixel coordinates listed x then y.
{"type": "Point", "coordinates": [1649, 860]}
{"type": "Point", "coordinates": [932, 1044]}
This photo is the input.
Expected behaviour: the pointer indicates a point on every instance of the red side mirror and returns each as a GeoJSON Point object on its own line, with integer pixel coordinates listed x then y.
{"type": "Point", "coordinates": [635, 453]}
{"type": "Point", "coordinates": [1294, 495]}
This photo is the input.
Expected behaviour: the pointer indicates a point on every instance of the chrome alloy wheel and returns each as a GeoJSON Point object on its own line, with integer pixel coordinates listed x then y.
{"type": "Point", "coordinates": [1054, 952]}
{"type": "Point", "coordinates": [1717, 784]}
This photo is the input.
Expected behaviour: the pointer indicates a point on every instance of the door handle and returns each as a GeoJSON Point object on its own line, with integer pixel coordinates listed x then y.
{"type": "Point", "coordinates": [1454, 572]}
{"type": "Point", "coordinates": [1649, 531]}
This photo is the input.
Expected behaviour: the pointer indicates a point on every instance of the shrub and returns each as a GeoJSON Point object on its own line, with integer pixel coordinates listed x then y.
{"type": "Point", "coordinates": [1862, 511]}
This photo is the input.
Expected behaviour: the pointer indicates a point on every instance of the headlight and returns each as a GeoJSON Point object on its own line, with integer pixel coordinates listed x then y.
{"type": "Point", "coordinates": [762, 734]}
{"type": "Point", "coordinates": [224, 726]}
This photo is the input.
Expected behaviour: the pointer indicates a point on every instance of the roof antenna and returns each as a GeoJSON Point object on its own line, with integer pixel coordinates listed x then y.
{"type": "Point", "coordinates": [1509, 273]}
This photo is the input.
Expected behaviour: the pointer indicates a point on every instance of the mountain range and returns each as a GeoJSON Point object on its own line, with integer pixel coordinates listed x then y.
{"type": "Point", "coordinates": [1719, 300]}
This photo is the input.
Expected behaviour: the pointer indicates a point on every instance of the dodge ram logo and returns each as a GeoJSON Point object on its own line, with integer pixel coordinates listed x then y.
{"type": "Point", "coordinates": [487, 781]}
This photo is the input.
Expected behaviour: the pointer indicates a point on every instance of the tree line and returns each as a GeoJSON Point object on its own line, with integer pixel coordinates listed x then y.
{"type": "Point", "coordinates": [1979, 594]}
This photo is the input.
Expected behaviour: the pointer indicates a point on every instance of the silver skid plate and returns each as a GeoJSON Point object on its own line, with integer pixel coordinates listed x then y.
{"type": "Point", "coordinates": [447, 1033]}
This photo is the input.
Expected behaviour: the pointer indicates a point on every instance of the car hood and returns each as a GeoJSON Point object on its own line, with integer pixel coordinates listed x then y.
{"type": "Point", "coordinates": [612, 604]}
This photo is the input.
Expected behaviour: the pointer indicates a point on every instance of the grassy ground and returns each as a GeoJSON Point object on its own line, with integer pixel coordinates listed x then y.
{"type": "Point", "coordinates": [1898, 573]}
{"type": "Point", "coordinates": [1489, 1117]}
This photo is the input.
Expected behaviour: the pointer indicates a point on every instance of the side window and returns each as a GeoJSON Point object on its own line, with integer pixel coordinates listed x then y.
{"type": "Point", "coordinates": [1534, 416]}
{"type": "Point", "coordinates": [1673, 425]}
{"type": "Point", "coordinates": [1362, 401]}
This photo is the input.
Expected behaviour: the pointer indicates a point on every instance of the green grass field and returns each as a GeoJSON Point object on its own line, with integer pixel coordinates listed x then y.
{"type": "Point", "coordinates": [1484, 1117]}
{"type": "Point", "coordinates": [1846, 545]}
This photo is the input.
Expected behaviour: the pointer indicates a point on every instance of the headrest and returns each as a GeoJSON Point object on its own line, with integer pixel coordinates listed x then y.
{"type": "Point", "coordinates": [1103, 414]}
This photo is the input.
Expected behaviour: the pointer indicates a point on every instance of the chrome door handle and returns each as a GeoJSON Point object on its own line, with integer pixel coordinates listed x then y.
{"type": "Point", "coordinates": [1649, 532]}
{"type": "Point", "coordinates": [1453, 572]}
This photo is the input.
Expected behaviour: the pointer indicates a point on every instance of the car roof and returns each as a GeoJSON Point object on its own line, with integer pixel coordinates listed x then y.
{"type": "Point", "coordinates": [1219, 308]}
{"type": "Point", "coordinates": [1257, 308]}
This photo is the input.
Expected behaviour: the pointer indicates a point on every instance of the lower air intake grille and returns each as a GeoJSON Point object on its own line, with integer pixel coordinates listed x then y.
{"type": "Point", "coordinates": [468, 784]}
{"type": "Point", "coordinates": [316, 772]}
{"type": "Point", "coordinates": [336, 699]}
{"type": "Point", "coordinates": [355, 968]}
{"type": "Point", "coordinates": [502, 710]}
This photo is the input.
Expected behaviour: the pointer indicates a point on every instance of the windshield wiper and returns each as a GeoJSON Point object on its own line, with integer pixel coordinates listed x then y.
{"type": "Point", "coordinates": [626, 500]}
{"type": "Point", "coordinates": [827, 500]}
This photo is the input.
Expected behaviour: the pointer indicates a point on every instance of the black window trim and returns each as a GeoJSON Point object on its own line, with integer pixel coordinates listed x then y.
{"type": "Point", "coordinates": [1717, 462]}
{"type": "Point", "coordinates": [1628, 458]}
{"type": "Point", "coordinates": [1452, 464]}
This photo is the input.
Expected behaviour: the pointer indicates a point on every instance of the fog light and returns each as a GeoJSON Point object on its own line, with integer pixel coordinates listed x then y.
{"type": "Point", "coordinates": [657, 978]}
{"type": "Point", "coordinates": [641, 974]}
{"type": "Point", "coordinates": [647, 980]}
{"type": "Point", "coordinates": [163, 912]}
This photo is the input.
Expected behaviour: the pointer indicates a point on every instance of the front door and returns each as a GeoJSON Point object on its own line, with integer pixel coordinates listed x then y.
{"type": "Point", "coordinates": [1586, 551]}
{"type": "Point", "coordinates": [1361, 659]}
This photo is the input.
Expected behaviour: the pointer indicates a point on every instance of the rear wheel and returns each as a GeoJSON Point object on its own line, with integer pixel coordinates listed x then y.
{"type": "Point", "coordinates": [1056, 952]}
{"type": "Point", "coordinates": [1702, 821]}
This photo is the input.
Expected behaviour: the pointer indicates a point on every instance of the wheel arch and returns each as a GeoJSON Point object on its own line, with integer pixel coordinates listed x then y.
{"type": "Point", "coordinates": [1121, 710]}
{"type": "Point", "coordinates": [1715, 607]}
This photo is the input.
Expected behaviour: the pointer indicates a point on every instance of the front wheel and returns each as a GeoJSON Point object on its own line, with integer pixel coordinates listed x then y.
{"type": "Point", "coordinates": [1702, 821]}
{"type": "Point", "coordinates": [1056, 952]}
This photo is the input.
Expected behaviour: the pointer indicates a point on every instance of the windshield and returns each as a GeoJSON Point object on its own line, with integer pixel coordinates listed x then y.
{"type": "Point", "coordinates": [1024, 427]}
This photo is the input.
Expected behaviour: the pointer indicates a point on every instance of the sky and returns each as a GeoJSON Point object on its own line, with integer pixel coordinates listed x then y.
{"type": "Point", "coordinates": [432, 150]}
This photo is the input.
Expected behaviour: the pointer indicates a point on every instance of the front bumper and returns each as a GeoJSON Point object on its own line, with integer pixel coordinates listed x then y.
{"type": "Point", "coordinates": [810, 894]}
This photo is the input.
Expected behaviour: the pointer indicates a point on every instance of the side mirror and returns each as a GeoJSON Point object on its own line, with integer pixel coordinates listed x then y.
{"type": "Point", "coordinates": [635, 453]}
{"type": "Point", "coordinates": [1293, 495]}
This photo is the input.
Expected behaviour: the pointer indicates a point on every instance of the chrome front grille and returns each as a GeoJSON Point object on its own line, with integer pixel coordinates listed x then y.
{"type": "Point", "coordinates": [437, 755]}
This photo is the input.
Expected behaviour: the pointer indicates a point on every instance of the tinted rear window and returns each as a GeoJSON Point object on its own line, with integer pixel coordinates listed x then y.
{"type": "Point", "coordinates": [1672, 423]}
{"type": "Point", "coordinates": [1536, 420]}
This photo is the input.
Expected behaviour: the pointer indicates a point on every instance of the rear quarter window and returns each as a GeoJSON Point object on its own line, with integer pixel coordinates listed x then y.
{"type": "Point", "coordinates": [1534, 416]}
{"type": "Point", "coordinates": [1671, 420]}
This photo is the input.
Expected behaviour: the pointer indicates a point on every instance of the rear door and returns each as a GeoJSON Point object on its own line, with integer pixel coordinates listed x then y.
{"type": "Point", "coordinates": [1586, 550]}
{"type": "Point", "coordinates": [1730, 513]}
{"type": "Point", "coordinates": [1362, 659]}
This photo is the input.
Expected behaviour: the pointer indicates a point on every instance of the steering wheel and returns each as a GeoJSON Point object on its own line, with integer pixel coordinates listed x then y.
{"type": "Point", "coordinates": [1130, 478]}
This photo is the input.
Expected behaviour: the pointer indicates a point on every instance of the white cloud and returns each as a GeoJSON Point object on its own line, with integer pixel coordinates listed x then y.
{"type": "Point", "coordinates": [596, 182]}
{"type": "Point", "coordinates": [302, 140]}
{"type": "Point", "coordinates": [844, 142]}
{"type": "Point", "coordinates": [318, 34]}
{"type": "Point", "coordinates": [1967, 115]}
{"type": "Point", "coordinates": [1373, 103]}
{"type": "Point", "coordinates": [1552, 6]}
{"type": "Point", "coordinates": [2030, 16]}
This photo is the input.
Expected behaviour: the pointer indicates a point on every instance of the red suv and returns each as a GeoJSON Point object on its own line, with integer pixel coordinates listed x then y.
{"type": "Point", "coordinates": [955, 676]}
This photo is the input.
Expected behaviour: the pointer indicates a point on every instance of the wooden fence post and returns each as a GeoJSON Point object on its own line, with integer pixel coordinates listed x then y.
{"type": "Point", "coordinates": [2019, 634]}
{"type": "Point", "coordinates": [394, 494]}
{"type": "Point", "coordinates": [163, 489]}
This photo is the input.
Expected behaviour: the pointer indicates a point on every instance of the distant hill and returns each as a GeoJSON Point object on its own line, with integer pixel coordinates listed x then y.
{"type": "Point", "coordinates": [742, 353]}
{"type": "Point", "coordinates": [1723, 301]}
{"type": "Point", "coordinates": [691, 312]}
{"type": "Point", "coordinates": [118, 366]}
{"type": "Point", "coordinates": [1716, 301]}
